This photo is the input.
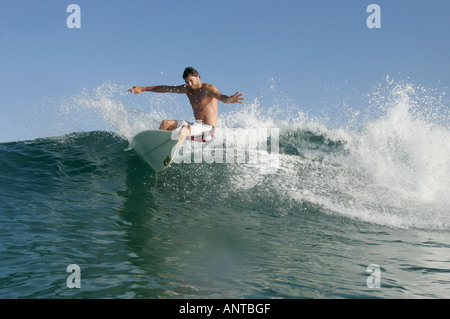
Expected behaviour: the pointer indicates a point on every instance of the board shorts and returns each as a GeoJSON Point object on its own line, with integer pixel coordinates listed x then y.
{"type": "Point", "coordinates": [200, 132]}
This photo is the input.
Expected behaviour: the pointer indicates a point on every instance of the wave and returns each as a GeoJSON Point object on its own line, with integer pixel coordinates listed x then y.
{"type": "Point", "coordinates": [393, 170]}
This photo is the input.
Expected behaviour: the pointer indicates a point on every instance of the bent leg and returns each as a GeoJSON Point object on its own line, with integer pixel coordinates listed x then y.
{"type": "Point", "coordinates": [185, 132]}
{"type": "Point", "coordinates": [172, 125]}
{"type": "Point", "coordinates": [168, 125]}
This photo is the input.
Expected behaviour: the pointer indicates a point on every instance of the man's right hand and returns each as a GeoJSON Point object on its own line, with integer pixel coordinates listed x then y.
{"type": "Point", "coordinates": [136, 89]}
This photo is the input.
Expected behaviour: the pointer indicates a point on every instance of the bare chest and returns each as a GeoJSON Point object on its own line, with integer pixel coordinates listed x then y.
{"type": "Point", "coordinates": [200, 98]}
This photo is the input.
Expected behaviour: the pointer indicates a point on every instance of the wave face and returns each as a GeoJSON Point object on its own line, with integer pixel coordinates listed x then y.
{"type": "Point", "coordinates": [392, 171]}
{"type": "Point", "coordinates": [378, 175]}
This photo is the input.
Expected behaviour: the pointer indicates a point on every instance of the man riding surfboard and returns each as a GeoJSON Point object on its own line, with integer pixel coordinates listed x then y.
{"type": "Point", "coordinates": [203, 98]}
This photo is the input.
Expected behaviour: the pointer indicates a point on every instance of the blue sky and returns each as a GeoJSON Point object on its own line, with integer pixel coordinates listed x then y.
{"type": "Point", "coordinates": [307, 47]}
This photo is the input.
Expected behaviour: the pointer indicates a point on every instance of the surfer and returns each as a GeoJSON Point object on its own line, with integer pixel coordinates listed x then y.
{"type": "Point", "coordinates": [203, 98]}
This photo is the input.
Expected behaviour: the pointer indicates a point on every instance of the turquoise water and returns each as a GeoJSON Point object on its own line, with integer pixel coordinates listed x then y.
{"type": "Point", "coordinates": [339, 201]}
{"type": "Point", "coordinates": [197, 230]}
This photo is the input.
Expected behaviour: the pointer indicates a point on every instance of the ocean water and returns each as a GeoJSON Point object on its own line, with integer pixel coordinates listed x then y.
{"type": "Point", "coordinates": [350, 212]}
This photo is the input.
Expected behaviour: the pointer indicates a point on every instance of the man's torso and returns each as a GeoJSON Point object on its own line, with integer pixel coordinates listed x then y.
{"type": "Point", "coordinates": [204, 105]}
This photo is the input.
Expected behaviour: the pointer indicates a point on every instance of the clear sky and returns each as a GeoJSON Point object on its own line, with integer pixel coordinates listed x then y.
{"type": "Point", "coordinates": [305, 46]}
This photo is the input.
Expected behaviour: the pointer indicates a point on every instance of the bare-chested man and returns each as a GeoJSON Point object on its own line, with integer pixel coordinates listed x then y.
{"type": "Point", "coordinates": [203, 98]}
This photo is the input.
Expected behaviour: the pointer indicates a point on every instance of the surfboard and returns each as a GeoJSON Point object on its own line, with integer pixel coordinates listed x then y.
{"type": "Point", "coordinates": [156, 147]}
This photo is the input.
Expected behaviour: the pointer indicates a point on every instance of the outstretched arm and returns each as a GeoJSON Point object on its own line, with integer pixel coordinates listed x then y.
{"type": "Point", "coordinates": [235, 98]}
{"type": "Point", "coordinates": [159, 89]}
